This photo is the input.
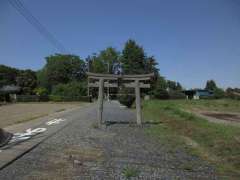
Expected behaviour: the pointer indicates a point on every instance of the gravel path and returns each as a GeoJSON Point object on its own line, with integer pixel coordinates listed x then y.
{"type": "Point", "coordinates": [81, 151]}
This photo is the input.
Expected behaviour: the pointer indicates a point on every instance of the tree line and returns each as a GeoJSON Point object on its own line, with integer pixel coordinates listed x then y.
{"type": "Point", "coordinates": [65, 74]}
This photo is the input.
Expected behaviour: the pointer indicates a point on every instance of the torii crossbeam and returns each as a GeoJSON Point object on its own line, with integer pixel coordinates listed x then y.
{"type": "Point", "coordinates": [135, 83]}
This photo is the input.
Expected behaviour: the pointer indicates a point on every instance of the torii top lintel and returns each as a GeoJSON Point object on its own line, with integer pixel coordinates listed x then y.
{"type": "Point", "coordinates": [114, 76]}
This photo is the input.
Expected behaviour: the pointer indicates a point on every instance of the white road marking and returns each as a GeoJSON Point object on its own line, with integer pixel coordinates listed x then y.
{"type": "Point", "coordinates": [55, 121]}
{"type": "Point", "coordinates": [31, 132]}
{"type": "Point", "coordinates": [26, 135]}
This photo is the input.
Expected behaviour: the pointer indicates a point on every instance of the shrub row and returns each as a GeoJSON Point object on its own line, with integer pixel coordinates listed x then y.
{"type": "Point", "coordinates": [164, 94]}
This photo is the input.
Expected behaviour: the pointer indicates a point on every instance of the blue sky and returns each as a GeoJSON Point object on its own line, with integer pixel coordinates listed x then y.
{"type": "Point", "coordinates": [193, 40]}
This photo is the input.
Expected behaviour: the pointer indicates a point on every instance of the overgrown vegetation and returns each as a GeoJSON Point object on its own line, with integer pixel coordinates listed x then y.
{"type": "Point", "coordinates": [217, 143]}
{"type": "Point", "coordinates": [130, 172]}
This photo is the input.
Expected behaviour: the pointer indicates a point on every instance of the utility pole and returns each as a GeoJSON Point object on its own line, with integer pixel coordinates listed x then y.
{"type": "Point", "coordinates": [108, 82]}
{"type": "Point", "coordinates": [88, 78]}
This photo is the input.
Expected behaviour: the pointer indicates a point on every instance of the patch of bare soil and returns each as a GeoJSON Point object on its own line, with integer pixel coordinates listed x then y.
{"type": "Point", "coordinates": [223, 116]}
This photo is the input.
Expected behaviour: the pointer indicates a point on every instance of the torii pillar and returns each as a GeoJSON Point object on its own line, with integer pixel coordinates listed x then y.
{"type": "Point", "coordinates": [135, 84]}
{"type": "Point", "coordinates": [138, 103]}
{"type": "Point", "coordinates": [100, 100]}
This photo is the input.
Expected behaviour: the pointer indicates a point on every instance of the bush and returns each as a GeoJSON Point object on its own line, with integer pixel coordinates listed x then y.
{"type": "Point", "coordinates": [176, 95]}
{"type": "Point", "coordinates": [160, 93]}
{"type": "Point", "coordinates": [41, 91]}
{"type": "Point", "coordinates": [73, 89]}
{"type": "Point", "coordinates": [219, 93]}
{"type": "Point", "coordinates": [126, 97]}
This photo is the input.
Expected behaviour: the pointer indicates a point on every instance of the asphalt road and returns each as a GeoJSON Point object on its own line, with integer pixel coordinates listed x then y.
{"type": "Point", "coordinates": [79, 150]}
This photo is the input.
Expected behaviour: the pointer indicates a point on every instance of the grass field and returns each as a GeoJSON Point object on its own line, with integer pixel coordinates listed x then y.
{"type": "Point", "coordinates": [221, 105]}
{"type": "Point", "coordinates": [217, 143]}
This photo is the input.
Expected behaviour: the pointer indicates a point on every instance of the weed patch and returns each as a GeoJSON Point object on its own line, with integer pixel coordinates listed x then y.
{"type": "Point", "coordinates": [129, 172]}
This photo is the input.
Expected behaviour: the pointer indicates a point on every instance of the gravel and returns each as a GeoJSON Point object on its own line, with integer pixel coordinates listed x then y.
{"type": "Point", "coordinates": [82, 151]}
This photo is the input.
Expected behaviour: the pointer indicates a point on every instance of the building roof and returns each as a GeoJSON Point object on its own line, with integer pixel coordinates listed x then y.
{"type": "Point", "coordinates": [197, 90]}
{"type": "Point", "coordinates": [9, 89]}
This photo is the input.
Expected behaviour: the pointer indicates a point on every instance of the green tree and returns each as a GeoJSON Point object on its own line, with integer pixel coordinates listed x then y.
{"type": "Point", "coordinates": [27, 80]}
{"type": "Point", "coordinates": [8, 75]}
{"type": "Point", "coordinates": [133, 58]}
{"type": "Point", "coordinates": [159, 89]}
{"type": "Point", "coordinates": [179, 87]}
{"type": "Point", "coordinates": [151, 66]}
{"type": "Point", "coordinates": [72, 89]}
{"type": "Point", "coordinates": [96, 64]}
{"type": "Point", "coordinates": [64, 68]}
{"type": "Point", "coordinates": [211, 85]}
{"type": "Point", "coordinates": [42, 80]}
{"type": "Point", "coordinates": [233, 93]}
{"type": "Point", "coordinates": [104, 62]}
{"type": "Point", "coordinates": [175, 86]}
{"type": "Point", "coordinates": [109, 57]}
{"type": "Point", "coordinates": [161, 83]}
{"type": "Point", "coordinates": [41, 91]}
{"type": "Point", "coordinates": [218, 93]}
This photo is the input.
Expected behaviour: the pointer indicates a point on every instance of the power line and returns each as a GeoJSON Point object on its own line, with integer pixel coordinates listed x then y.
{"type": "Point", "coordinates": [20, 7]}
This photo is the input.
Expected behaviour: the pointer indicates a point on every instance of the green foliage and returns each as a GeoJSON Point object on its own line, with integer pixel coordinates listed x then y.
{"type": "Point", "coordinates": [126, 97]}
{"type": "Point", "coordinates": [172, 85]}
{"type": "Point", "coordinates": [135, 61]}
{"type": "Point", "coordinates": [160, 87]}
{"type": "Point", "coordinates": [96, 64]}
{"type": "Point", "coordinates": [64, 69]}
{"type": "Point", "coordinates": [104, 62]}
{"type": "Point", "coordinates": [161, 93]}
{"type": "Point", "coordinates": [211, 85]}
{"type": "Point", "coordinates": [233, 93]}
{"type": "Point", "coordinates": [161, 83]}
{"type": "Point", "coordinates": [218, 93]}
{"type": "Point", "coordinates": [27, 80]}
{"type": "Point", "coordinates": [176, 95]}
{"type": "Point", "coordinates": [167, 89]}
{"type": "Point", "coordinates": [133, 58]}
{"type": "Point", "coordinates": [151, 66]}
{"type": "Point", "coordinates": [110, 57]}
{"type": "Point", "coordinates": [129, 172]}
{"type": "Point", "coordinates": [42, 80]}
{"type": "Point", "coordinates": [8, 75]}
{"type": "Point", "coordinates": [41, 91]}
{"type": "Point", "coordinates": [72, 89]}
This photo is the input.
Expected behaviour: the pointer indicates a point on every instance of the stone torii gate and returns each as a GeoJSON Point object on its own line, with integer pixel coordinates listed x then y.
{"type": "Point", "coordinates": [132, 81]}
